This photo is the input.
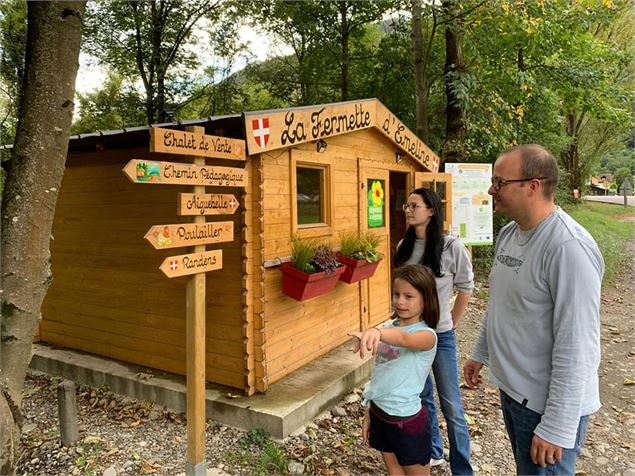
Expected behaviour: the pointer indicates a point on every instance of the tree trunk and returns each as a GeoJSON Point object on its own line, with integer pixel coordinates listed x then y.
{"type": "Point", "coordinates": [455, 125]}
{"type": "Point", "coordinates": [30, 195]}
{"type": "Point", "coordinates": [345, 48]}
{"type": "Point", "coordinates": [421, 78]}
{"type": "Point", "coordinates": [571, 155]}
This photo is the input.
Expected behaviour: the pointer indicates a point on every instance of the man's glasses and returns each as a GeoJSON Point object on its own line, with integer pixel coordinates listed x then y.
{"type": "Point", "coordinates": [412, 206]}
{"type": "Point", "coordinates": [498, 183]}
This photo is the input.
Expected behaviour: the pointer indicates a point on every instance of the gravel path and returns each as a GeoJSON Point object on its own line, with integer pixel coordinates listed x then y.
{"type": "Point", "coordinates": [120, 436]}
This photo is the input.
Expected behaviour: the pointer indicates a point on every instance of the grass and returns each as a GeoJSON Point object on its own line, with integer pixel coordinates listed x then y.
{"type": "Point", "coordinates": [611, 234]}
{"type": "Point", "coordinates": [601, 220]}
{"type": "Point", "coordinates": [260, 454]}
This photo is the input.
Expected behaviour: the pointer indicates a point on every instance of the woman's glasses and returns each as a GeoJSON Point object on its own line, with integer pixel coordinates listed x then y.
{"type": "Point", "coordinates": [412, 206]}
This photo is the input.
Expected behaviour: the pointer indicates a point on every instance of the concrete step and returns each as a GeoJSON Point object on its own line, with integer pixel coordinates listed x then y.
{"type": "Point", "coordinates": [287, 405]}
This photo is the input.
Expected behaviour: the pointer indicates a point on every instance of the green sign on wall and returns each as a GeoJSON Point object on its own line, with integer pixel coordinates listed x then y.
{"type": "Point", "coordinates": [376, 201]}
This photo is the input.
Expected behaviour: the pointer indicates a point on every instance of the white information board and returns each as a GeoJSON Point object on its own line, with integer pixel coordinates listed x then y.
{"type": "Point", "coordinates": [471, 205]}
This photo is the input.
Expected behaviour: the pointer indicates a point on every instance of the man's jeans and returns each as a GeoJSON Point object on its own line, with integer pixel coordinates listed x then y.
{"type": "Point", "coordinates": [520, 422]}
{"type": "Point", "coordinates": [446, 378]}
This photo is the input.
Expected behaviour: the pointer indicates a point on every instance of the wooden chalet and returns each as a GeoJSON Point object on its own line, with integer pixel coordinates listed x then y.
{"type": "Point", "coordinates": [309, 170]}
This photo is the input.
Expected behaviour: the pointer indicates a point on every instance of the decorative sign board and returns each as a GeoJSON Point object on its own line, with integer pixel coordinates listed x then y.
{"type": "Point", "coordinates": [189, 234]}
{"type": "Point", "coordinates": [172, 141]}
{"type": "Point", "coordinates": [390, 125]}
{"type": "Point", "coordinates": [173, 173]}
{"type": "Point", "coordinates": [182, 265]}
{"type": "Point", "coordinates": [207, 204]}
{"type": "Point", "coordinates": [376, 203]}
{"type": "Point", "coordinates": [471, 205]}
{"type": "Point", "coordinates": [269, 130]}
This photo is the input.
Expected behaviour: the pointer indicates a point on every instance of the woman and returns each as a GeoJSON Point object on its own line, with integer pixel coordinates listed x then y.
{"type": "Point", "coordinates": [450, 263]}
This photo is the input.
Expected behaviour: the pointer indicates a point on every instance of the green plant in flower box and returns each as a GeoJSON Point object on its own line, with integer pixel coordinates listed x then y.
{"type": "Point", "coordinates": [360, 246]}
{"type": "Point", "coordinates": [302, 253]}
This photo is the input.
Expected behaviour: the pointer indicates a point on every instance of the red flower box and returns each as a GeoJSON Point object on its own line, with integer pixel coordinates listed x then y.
{"type": "Point", "coordinates": [302, 286]}
{"type": "Point", "coordinates": [357, 269]}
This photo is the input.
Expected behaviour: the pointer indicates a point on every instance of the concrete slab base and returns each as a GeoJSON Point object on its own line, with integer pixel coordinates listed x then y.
{"type": "Point", "coordinates": [287, 405]}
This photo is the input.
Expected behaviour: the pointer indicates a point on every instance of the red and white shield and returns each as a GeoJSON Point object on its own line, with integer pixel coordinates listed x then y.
{"type": "Point", "coordinates": [261, 131]}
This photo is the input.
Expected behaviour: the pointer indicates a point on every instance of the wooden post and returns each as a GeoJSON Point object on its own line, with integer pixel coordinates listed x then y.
{"type": "Point", "coordinates": [67, 409]}
{"type": "Point", "coordinates": [195, 354]}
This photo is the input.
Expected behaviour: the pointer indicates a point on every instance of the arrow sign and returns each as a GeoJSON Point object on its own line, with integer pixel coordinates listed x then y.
{"type": "Point", "coordinates": [171, 141]}
{"type": "Point", "coordinates": [182, 265]}
{"type": "Point", "coordinates": [188, 234]}
{"type": "Point", "coordinates": [148, 171]}
{"type": "Point", "coordinates": [206, 204]}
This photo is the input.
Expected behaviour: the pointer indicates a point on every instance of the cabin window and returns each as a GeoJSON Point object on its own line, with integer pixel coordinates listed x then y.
{"type": "Point", "coordinates": [310, 194]}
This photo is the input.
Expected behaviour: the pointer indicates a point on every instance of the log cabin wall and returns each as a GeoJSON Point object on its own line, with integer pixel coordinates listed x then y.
{"type": "Point", "coordinates": [296, 333]}
{"type": "Point", "coordinates": [108, 296]}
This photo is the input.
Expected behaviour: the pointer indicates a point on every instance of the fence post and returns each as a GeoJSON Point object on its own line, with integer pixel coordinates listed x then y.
{"type": "Point", "coordinates": [67, 406]}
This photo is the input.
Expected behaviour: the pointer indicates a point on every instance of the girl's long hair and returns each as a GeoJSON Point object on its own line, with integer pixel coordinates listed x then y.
{"type": "Point", "coordinates": [434, 235]}
{"type": "Point", "coordinates": [422, 279]}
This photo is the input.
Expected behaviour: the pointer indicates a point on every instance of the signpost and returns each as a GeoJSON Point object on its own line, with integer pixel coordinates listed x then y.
{"type": "Point", "coordinates": [175, 173]}
{"type": "Point", "coordinates": [206, 204]}
{"type": "Point", "coordinates": [182, 265]}
{"type": "Point", "coordinates": [193, 143]}
{"type": "Point", "coordinates": [197, 235]}
{"type": "Point", "coordinates": [189, 234]}
{"type": "Point", "coordinates": [626, 190]}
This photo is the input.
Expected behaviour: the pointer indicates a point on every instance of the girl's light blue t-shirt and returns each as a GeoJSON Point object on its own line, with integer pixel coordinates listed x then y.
{"type": "Point", "coordinates": [400, 374]}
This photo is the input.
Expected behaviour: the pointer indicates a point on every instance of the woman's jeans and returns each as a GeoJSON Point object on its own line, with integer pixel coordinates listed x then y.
{"type": "Point", "coordinates": [521, 422]}
{"type": "Point", "coordinates": [446, 378]}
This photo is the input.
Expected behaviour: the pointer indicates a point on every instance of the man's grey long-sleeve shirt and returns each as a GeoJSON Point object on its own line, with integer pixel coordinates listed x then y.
{"type": "Point", "coordinates": [541, 336]}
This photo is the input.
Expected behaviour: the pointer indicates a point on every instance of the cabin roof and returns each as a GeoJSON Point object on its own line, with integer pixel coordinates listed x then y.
{"type": "Point", "coordinates": [317, 122]}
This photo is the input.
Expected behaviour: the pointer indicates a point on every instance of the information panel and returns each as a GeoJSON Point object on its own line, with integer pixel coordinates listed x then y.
{"type": "Point", "coordinates": [471, 204]}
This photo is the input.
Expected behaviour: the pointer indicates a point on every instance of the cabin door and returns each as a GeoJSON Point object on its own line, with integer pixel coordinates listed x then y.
{"type": "Point", "coordinates": [375, 217]}
{"type": "Point", "coordinates": [442, 184]}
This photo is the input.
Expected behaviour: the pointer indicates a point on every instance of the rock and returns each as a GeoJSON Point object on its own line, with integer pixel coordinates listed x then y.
{"type": "Point", "coordinates": [585, 453]}
{"type": "Point", "coordinates": [295, 467]}
{"type": "Point", "coordinates": [28, 428]}
{"type": "Point", "coordinates": [342, 472]}
{"type": "Point", "coordinates": [602, 461]}
{"type": "Point", "coordinates": [476, 449]}
{"type": "Point", "coordinates": [110, 471]}
{"type": "Point", "coordinates": [352, 398]}
{"type": "Point", "coordinates": [629, 472]}
{"type": "Point", "coordinates": [35, 460]}
{"type": "Point", "coordinates": [339, 411]}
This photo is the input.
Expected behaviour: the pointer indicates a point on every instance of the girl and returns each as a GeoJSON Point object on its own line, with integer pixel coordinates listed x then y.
{"type": "Point", "coordinates": [395, 422]}
{"type": "Point", "coordinates": [448, 259]}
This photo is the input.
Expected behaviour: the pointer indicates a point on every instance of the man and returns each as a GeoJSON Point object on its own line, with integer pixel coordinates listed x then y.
{"type": "Point", "coordinates": [541, 337]}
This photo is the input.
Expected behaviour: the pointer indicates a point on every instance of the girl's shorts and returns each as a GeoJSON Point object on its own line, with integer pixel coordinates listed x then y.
{"type": "Point", "coordinates": [409, 438]}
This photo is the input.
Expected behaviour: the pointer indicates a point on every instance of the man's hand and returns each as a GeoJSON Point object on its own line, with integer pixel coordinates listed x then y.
{"type": "Point", "coordinates": [367, 341]}
{"type": "Point", "coordinates": [472, 373]}
{"type": "Point", "coordinates": [543, 453]}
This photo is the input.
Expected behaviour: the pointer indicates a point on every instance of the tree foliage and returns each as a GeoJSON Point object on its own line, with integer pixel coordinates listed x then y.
{"type": "Point", "coordinates": [13, 40]}
{"type": "Point", "coordinates": [115, 106]}
{"type": "Point", "coordinates": [151, 41]}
